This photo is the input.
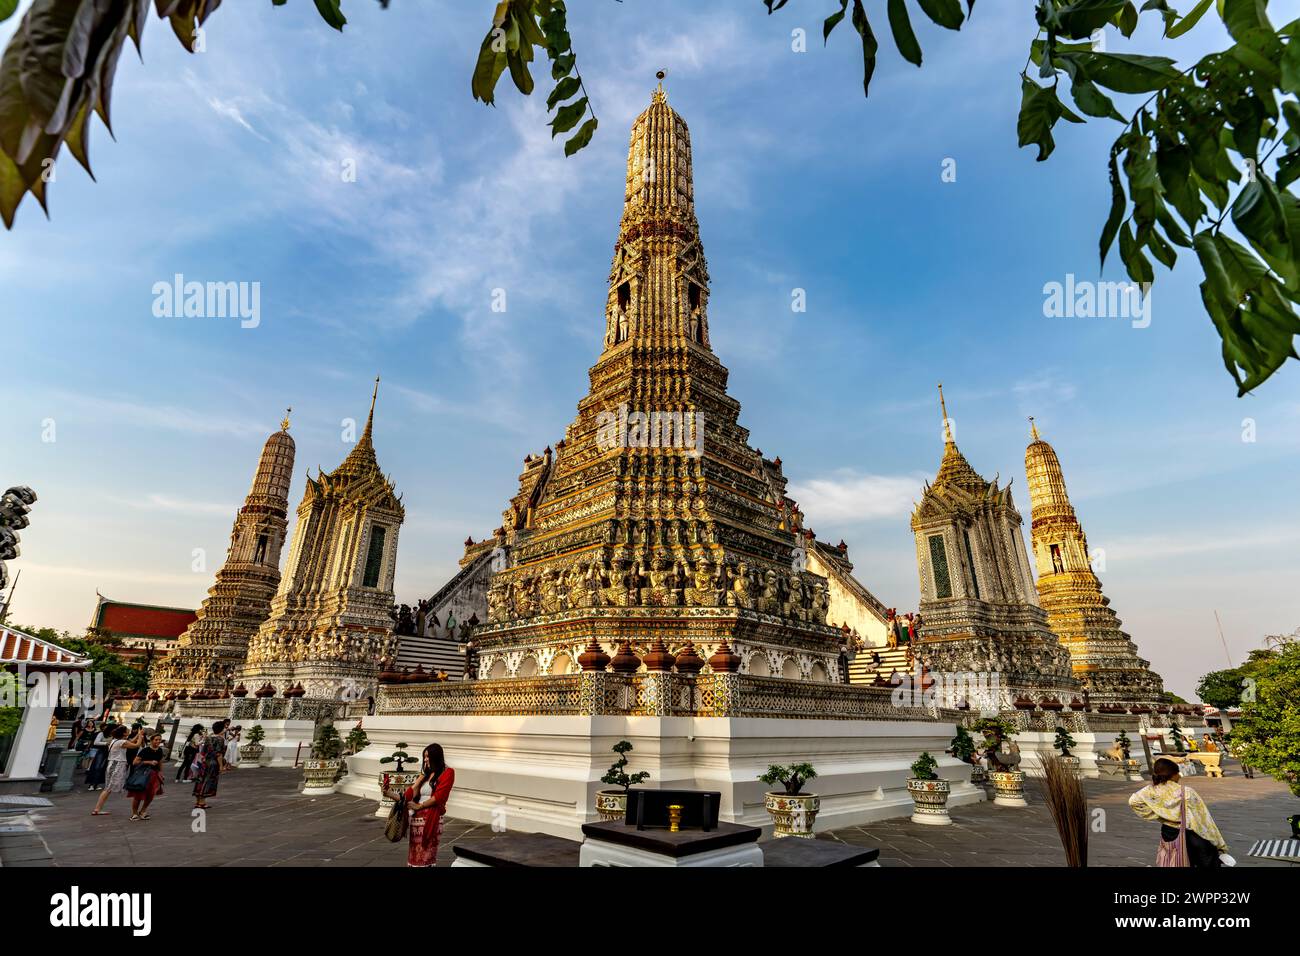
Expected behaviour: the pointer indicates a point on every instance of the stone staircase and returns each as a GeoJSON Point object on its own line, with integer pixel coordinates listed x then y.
{"type": "Point", "coordinates": [864, 669]}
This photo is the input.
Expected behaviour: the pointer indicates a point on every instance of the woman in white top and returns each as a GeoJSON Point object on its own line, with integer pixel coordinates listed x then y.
{"type": "Point", "coordinates": [115, 778]}
{"type": "Point", "coordinates": [232, 747]}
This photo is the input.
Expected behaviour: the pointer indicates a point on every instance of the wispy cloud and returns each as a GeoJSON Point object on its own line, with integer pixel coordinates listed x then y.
{"type": "Point", "coordinates": [849, 497]}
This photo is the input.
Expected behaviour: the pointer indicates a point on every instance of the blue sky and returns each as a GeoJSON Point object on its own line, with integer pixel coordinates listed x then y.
{"type": "Point", "coordinates": [227, 168]}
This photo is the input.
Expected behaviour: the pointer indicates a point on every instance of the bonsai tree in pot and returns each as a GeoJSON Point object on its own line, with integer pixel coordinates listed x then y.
{"type": "Point", "coordinates": [612, 804]}
{"type": "Point", "coordinates": [929, 792]}
{"type": "Point", "coordinates": [793, 812]}
{"type": "Point", "coordinates": [251, 752]}
{"type": "Point", "coordinates": [321, 769]}
{"type": "Point", "coordinates": [964, 749]}
{"type": "Point", "coordinates": [1125, 745]}
{"type": "Point", "coordinates": [1063, 743]}
{"type": "Point", "coordinates": [357, 740]}
{"type": "Point", "coordinates": [1003, 757]}
{"type": "Point", "coordinates": [396, 779]}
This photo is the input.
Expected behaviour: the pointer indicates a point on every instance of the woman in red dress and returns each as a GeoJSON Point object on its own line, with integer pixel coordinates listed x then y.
{"type": "Point", "coordinates": [426, 801]}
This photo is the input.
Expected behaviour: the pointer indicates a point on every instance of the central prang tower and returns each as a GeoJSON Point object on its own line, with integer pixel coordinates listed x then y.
{"type": "Point", "coordinates": [653, 520]}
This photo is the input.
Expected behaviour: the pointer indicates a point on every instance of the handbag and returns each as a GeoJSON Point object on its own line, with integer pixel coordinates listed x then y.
{"type": "Point", "coordinates": [1173, 851]}
{"type": "Point", "coordinates": [137, 780]}
{"type": "Point", "coordinates": [399, 821]}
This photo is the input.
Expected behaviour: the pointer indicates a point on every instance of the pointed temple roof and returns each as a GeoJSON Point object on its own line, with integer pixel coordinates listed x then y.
{"type": "Point", "coordinates": [955, 472]}
{"type": "Point", "coordinates": [359, 475]}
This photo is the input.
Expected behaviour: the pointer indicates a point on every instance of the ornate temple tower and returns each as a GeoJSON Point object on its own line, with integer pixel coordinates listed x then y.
{"type": "Point", "coordinates": [978, 604]}
{"type": "Point", "coordinates": [330, 622]}
{"type": "Point", "coordinates": [1104, 658]}
{"type": "Point", "coordinates": [654, 519]}
{"type": "Point", "coordinates": [213, 647]}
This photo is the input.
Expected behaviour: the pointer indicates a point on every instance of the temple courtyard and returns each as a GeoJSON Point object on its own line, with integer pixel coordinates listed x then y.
{"type": "Point", "coordinates": [260, 819]}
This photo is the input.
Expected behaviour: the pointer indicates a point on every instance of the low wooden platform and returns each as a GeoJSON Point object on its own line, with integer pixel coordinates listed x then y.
{"type": "Point", "coordinates": [520, 850]}
{"type": "Point", "coordinates": [795, 851]}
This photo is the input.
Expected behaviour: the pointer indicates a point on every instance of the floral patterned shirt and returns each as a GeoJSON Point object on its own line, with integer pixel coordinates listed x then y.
{"type": "Point", "coordinates": [1163, 802]}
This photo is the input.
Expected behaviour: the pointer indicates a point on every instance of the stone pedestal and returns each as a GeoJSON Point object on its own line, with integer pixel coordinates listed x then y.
{"type": "Point", "coordinates": [67, 765]}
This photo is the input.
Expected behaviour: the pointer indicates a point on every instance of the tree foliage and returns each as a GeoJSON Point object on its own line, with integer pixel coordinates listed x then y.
{"type": "Point", "coordinates": [1267, 734]}
{"type": "Point", "coordinates": [1203, 164]}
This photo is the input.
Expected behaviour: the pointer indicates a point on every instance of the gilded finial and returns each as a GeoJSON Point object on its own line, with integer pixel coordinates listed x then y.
{"type": "Point", "coordinates": [284, 425]}
{"type": "Point", "coordinates": [659, 95]}
{"type": "Point", "coordinates": [947, 429]}
{"type": "Point", "coordinates": [374, 396]}
{"type": "Point", "coordinates": [1033, 429]}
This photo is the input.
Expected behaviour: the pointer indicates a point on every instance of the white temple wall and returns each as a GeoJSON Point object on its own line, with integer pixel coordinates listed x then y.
{"type": "Point", "coordinates": [541, 774]}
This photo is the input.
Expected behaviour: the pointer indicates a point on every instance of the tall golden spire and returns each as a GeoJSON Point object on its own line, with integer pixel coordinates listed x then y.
{"type": "Point", "coordinates": [284, 424]}
{"type": "Point", "coordinates": [370, 419]}
{"type": "Point", "coordinates": [659, 279]}
{"type": "Point", "coordinates": [947, 429]}
{"type": "Point", "coordinates": [954, 469]}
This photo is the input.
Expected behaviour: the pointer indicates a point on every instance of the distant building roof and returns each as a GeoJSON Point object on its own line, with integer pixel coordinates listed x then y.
{"type": "Point", "coordinates": [141, 620]}
{"type": "Point", "coordinates": [18, 647]}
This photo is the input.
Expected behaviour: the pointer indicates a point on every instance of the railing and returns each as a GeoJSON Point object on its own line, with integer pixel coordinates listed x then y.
{"type": "Point", "coordinates": [510, 696]}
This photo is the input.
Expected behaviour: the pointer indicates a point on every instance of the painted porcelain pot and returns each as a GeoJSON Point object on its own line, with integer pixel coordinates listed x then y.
{"type": "Point", "coordinates": [792, 816]}
{"type": "Point", "coordinates": [929, 801]}
{"type": "Point", "coordinates": [1071, 763]}
{"type": "Point", "coordinates": [393, 780]}
{"type": "Point", "coordinates": [1009, 788]}
{"type": "Point", "coordinates": [611, 804]}
{"type": "Point", "coordinates": [250, 755]}
{"type": "Point", "coordinates": [318, 775]}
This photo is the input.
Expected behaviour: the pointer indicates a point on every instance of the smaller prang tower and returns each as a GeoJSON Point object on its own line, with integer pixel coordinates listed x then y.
{"type": "Point", "coordinates": [213, 647]}
{"type": "Point", "coordinates": [979, 610]}
{"type": "Point", "coordinates": [331, 621]}
{"type": "Point", "coordinates": [1104, 658]}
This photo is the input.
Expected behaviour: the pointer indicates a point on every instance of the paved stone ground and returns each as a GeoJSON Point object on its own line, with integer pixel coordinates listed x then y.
{"type": "Point", "coordinates": [987, 835]}
{"type": "Point", "coordinates": [258, 818]}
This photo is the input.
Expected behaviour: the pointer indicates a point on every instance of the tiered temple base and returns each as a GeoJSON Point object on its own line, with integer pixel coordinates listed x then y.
{"type": "Point", "coordinates": [541, 773]}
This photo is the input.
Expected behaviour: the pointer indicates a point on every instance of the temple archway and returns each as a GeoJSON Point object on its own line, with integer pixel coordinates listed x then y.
{"type": "Point", "coordinates": [527, 667]}
{"type": "Point", "coordinates": [758, 665]}
{"type": "Point", "coordinates": [790, 670]}
{"type": "Point", "coordinates": [563, 664]}
{"type": "Point", "coordinates": [498, 671]}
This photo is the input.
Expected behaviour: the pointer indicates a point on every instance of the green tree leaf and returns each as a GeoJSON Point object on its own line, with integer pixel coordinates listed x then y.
{"type": "Point", "coordinates": [332, 13]}
{"type": "Point", "coordinates": [580, 138]}
{"type": "Point", "coordinates": [901, 25]}
{"type": "Point", "coordinates": [567, 117]}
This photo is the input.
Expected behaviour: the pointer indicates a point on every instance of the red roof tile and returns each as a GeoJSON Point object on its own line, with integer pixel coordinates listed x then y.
{"type": "Point", "coordinates": [136, 620]}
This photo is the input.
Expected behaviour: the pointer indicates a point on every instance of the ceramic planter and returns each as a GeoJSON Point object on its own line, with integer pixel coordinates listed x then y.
{"type": "Point", "coordinates": [611, 804]}
{"type": "Point", "coordinates": [929, 801]}
{"type": "Point", "coordinates": [978, 775]}
{"type": "Point", "coordinates": [250, 755]}
{"type": "Point", "coordinates": [1071, 764]}
{"type": "Point", "coordinates": [792, 816]}
{"type": "Point", "coordinates": [393, 780]}
{"type": "Point", "coordinates": [1008, 788]}
{"type": "Point", "coordinates": [318, 775]}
